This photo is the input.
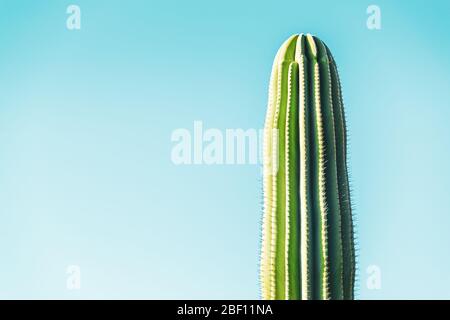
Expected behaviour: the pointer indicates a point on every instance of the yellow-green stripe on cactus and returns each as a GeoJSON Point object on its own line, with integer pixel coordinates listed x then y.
{"type": "Point", "coordinates": [308, 244]}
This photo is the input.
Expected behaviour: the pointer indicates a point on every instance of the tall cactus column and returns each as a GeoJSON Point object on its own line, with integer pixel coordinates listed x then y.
{"type": "Point", "coordinates": [308, 244]}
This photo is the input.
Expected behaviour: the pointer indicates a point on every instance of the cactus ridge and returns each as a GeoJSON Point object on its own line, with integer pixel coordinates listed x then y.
{"type": "Point", "coordinates": [307, 248]}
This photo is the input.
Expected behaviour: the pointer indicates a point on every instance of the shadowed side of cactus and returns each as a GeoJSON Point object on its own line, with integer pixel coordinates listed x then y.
{"type": "Point", "coordinates": [307, 238]}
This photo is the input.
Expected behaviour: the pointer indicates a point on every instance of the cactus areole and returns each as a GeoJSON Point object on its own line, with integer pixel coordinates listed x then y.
{"type": "Point", "coordinates": [307, 234]}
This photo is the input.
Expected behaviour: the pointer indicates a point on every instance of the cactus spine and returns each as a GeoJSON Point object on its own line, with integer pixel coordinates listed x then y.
{"type": "Point", "coordinates": [308, 244]}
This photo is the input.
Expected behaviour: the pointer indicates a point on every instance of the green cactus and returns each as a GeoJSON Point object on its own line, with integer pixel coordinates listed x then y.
{"type": "Point", "coordinates": [308, 241]}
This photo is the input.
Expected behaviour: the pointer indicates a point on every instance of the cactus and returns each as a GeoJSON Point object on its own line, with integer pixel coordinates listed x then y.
{"type": "Point", "coordinates": [307, 234]}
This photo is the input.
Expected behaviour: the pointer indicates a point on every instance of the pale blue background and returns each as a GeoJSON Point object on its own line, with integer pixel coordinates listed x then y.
{"type": "Point", "coordinates": [86, 118]}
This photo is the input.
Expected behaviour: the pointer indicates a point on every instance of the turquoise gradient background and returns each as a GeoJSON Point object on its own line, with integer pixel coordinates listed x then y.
{"type": "Point", "coordinates": [86, 119]}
